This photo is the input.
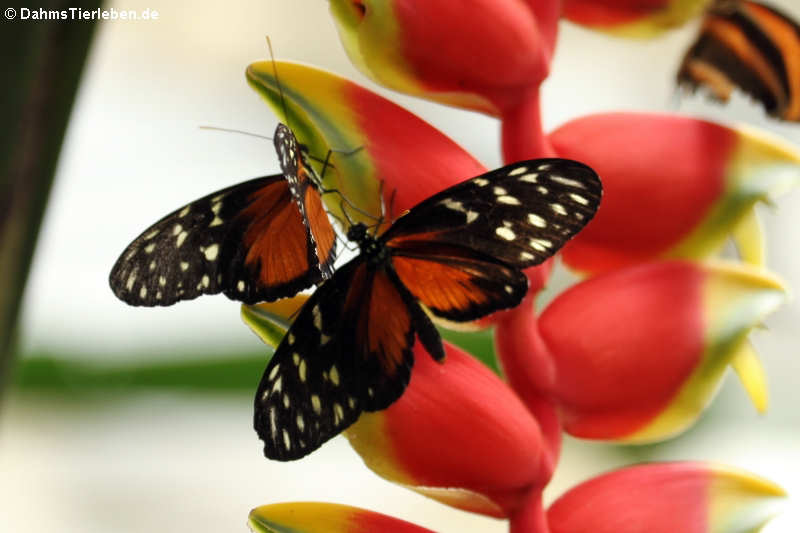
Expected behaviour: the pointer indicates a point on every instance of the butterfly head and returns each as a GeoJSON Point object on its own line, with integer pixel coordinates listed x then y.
{"type": "Point", "coordinates": [374, 250]}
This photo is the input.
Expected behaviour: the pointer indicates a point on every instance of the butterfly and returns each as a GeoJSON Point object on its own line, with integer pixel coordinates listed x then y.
{"type": "Point", "coordinates": [457, 255]}
{"type": "Point", "coordinates": [260, 240]}
{"type": "Point", "coordinates": [748, 45]}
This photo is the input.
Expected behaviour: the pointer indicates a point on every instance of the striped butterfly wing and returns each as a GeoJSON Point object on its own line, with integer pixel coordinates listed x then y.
{"type": "Point", "coordinates": [751, 46]}
{"type": "Point", "coordinates": [461, 252]}
{"type": "Point", "coordinates": [260, 240]}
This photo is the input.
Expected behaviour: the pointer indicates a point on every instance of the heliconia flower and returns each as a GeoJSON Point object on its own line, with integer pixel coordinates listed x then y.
{"type": "Point", "coordinates": [644, 370]}
{"type": "Point", "coordinates": [690, 497]}
{"type": "Point", "coordinates": [316, 517]}
{"type": "Point", "coordinates": [440, 50]}
{"type": "Point", "coordinates": [632, 18]}
{"type": "Point", "coordinates": [373, 139]}
{"type": "Point", "coordinates": [674, 187]}
{"type": "Point", "coordinates": [458, 435]}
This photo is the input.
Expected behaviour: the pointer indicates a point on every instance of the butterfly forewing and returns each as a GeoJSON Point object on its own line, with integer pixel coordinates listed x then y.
{"type": "Point", "coordinates": [349, 350]}
{"type": "Point", "coordinates": [520, 214]}
{"type": "Point", "coordinates": [260, 240]}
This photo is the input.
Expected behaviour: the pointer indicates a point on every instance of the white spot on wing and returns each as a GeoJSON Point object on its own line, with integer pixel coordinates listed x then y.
{"type": "Point", "coordinates": [334, 375]}
{"type": "Point", "coordinates": [536, 220]}
{"type": "Point", "coordinates": [149, 248]}
{"type": "Point", "coordinates": [211, 252]}
{"type": "Point", "coordinates": [530, 178]}
{"type": "Point", "coordinates": [184, 266]}
{"type": "Point", "coordinates": [567, 181]}
{"type": "Point", "coordinates": [541, 245]}
{"type": "Point", "coordinates": [517, 171]}
{"type": "Point", "coordinates": [510, 200]}
{"type": "Point", "coordinates": [578, 198]}
{"type": "Point", "coordinates": [274, 371]}
{"type": "Point", "coordinates": [558, 208]}
{"type": "Point", "coordinates": [315, 404]}
{"type": "Point", "coordinates": [449, 203]}
{"type": "Point", "coordinates": [301, 371]}
{"type": "Point", "coordinates": [184, 211]}
{"type": "Point", "coordinates": [181, 238]}
{"type": "Point", "coordinates": [177, 229]}
{"type": "Point", "coordinates": [480, 182]}
{"type": "Point", "coordinates": [505, 233]}
{"type": "Point", "coordinates": [499, 191]}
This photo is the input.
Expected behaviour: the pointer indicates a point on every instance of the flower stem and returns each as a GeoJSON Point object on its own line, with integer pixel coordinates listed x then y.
{"type": "Point", "coordinates": [522, 133]}
{"type": "Point", "coordinates": [531, 516]}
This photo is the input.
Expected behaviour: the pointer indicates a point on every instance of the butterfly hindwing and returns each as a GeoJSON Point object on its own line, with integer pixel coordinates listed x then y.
{"type": "Point", "coordinates": [349, 350]}
{"type": "Point", "coordinates": [457, 284]}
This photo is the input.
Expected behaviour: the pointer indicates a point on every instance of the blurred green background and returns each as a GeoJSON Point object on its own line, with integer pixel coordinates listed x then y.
{"type": "Point", "coordinates": [128, 419]}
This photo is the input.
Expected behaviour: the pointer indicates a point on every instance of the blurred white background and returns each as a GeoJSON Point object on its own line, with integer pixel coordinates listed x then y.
{"type": "Point", "coordinates": [134, 152]}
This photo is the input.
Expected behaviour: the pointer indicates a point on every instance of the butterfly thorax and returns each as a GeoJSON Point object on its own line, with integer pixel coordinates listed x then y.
{"type": "Point", "coordinates": [373, 250]}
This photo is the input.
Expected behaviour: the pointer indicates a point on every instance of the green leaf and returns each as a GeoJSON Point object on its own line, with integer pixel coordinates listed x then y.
{"type": "Point", "coordinates": [42, 63]}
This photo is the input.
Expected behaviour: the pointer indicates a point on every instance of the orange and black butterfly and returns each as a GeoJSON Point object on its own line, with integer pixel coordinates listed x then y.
{"type": "Point", "coordinates": [748, 45]}
{"type": "Point", "coordinates": [260, 240]}
{"type": "Point", "coordinates": [458, 255]}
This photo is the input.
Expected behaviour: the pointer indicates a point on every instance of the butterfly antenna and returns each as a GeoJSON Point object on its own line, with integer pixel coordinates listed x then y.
{"type": "Point", "coordinates": [231, 130]}
{"type": "Point", "coordinates": [344, 212]}
{"type": "Point", "coordinates": [325, 166]}
{"type": "Point", "coordinates": [278, 83]}
{"type": "Point", "coordinates": [337, 218]}
{"type": "Point", "coordinates": [391, 205]}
